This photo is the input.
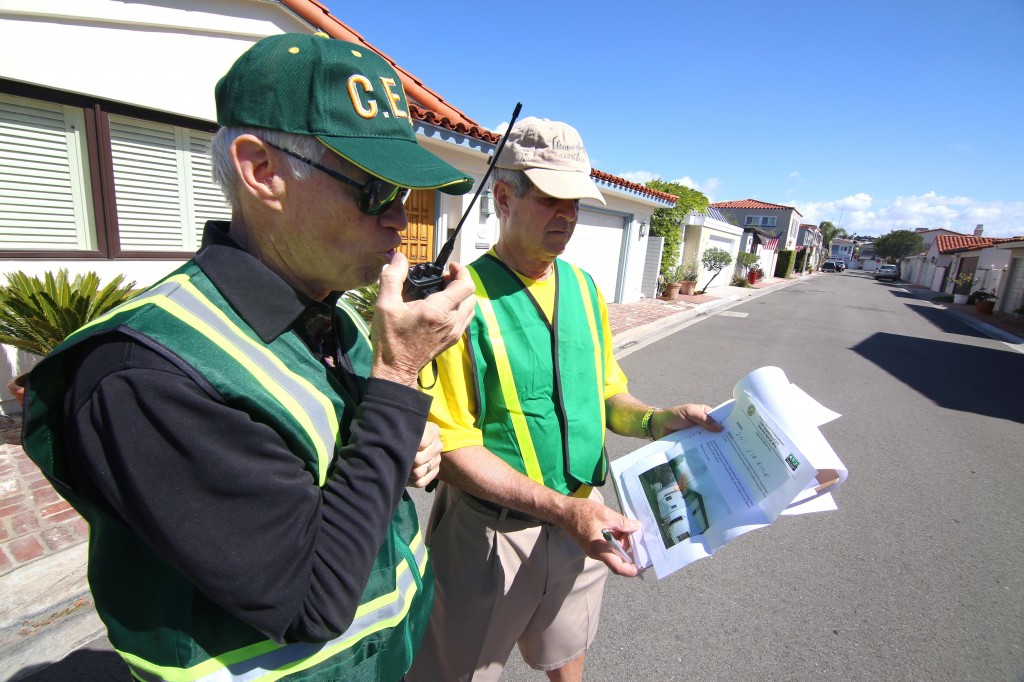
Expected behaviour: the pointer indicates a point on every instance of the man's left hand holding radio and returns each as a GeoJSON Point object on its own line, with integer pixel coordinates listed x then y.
{"type": "Point", "coordinates": [409, 334]}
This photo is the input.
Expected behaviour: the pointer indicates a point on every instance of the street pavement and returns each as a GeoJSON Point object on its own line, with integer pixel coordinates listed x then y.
{"type": "Point", "coordinates": [47, 615]}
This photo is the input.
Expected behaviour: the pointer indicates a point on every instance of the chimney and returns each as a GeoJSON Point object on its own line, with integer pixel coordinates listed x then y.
{"type": "Point", "coordinates": [979, 230]}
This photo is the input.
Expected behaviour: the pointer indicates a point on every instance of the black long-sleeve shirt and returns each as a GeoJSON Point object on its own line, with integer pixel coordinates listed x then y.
{"type": "Point", "coordinates": [220, 496]}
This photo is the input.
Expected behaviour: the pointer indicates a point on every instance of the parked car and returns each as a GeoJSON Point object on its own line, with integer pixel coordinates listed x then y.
{"type": "Point", "coordinates": [840, 265]}
{"type": "Point", "coordinates": [887, 272]}
{"type": "Point", "coordinates": [829, 266]}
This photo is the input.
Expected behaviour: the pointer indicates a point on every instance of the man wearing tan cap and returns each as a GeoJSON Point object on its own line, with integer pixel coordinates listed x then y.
{"type": "Point", "coordinates": [522, 402]}
{"type": "Point", "coordinates": [240, 451]}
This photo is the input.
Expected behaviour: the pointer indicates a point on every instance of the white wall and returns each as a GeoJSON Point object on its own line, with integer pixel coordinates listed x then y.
{"type": "Point", "coordinates": [703, 232]}
{"type": "Point", "coordinates": [151, 54]}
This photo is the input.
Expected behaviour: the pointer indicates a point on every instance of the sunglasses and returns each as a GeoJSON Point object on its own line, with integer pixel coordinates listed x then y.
{"type": "Point", "coordinates": [375, 196]}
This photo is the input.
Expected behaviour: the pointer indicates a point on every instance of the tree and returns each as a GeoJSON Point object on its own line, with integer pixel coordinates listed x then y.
{"type": "Point", "coordinates": [899, 244]}
{"type": "Point", "coordinates": [828, 233]}
{"type": "Point", "coordinates": [668, 222]}
{"type": "Point", "coordinates": [715, 260]}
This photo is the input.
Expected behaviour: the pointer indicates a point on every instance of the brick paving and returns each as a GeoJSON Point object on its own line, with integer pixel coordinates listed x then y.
{"type": "Point", "coordinates": [34, 520]}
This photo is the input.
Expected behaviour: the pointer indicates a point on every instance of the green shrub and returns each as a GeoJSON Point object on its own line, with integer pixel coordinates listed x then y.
{"type": "Point", "coordinates": [364, 300]}
{"type": "Point", "coordinates": [784, 265]}
{"type": "Point", "coordinates": [36, 315]}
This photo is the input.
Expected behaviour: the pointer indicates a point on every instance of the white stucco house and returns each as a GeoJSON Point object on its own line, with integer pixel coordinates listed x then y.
{"type": "Point", "coordinates": [929, 267]}
{"type": "Point", "coordinates": [706, 230]}
{"type": "Point", "coordinates": [1011, 288]}
{"type": "Point", "coordinates": [106, 110]}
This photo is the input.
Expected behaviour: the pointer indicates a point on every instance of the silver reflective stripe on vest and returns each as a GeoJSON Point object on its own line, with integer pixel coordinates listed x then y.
{"type": "Point", "coordinates": [310, 407]}
{"type": "Point", "coordinates": [383, 612]}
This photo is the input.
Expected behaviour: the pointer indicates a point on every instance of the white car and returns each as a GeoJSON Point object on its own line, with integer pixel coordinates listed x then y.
{"type": "Point", "coordinates": [887, 272]}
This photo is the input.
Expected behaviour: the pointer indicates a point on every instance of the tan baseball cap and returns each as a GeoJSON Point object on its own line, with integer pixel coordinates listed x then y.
{"type": "Point", "coordinates": [552, 155]}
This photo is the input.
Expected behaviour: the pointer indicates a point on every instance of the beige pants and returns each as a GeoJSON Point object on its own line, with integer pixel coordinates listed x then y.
{"type": "Point", "coordinates": [503, 582]}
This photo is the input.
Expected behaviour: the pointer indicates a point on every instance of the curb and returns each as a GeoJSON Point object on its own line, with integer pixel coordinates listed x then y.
{"type": "Point", "coordinates": [48, 612]}
{"type": "Point", "coordinates": [992, 332]}
{"type": "Point", "coordinates": [634, 339]}
{"type": "Point", "coordinates": [988, 330]}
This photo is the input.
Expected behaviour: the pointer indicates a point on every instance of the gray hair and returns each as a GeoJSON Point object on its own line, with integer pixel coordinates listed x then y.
{"type": "Point", "coordinates": [516, 179]}
{"type": "Point", "coordinates": [224, 169]}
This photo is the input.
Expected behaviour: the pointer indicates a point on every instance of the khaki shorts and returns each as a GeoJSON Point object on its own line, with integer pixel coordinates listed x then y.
{"type": "Point", "coordinates": [502, 583]}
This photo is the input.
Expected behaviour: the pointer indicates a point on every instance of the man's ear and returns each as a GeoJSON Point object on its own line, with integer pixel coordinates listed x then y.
{"type": "Point", "coordinates": [259, 171]}
{"type": "Point", "coordinates": [502, 193]}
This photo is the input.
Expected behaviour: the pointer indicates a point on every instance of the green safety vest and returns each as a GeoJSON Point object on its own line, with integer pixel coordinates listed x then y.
{"type": "Point", "coordinates": [165, 628]}
{"type": "Point", "coordinates": [540, 385]}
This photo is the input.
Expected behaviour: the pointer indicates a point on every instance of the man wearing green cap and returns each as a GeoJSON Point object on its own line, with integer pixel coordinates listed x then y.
{"type": "Point", "coordinates": [239, 450]}
{"type": "Point", "coordinates": [523, 401]}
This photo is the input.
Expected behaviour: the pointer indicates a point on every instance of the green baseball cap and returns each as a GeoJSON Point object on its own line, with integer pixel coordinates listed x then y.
{"type": "Point", "coordinates": [342, 93]}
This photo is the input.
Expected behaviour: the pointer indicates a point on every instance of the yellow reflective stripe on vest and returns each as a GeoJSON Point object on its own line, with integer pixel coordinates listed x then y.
{"type": "Point", "coordinates": [267, 661]}
{"type": "Point", "coordinates": [353, 315]}
{"type": "Point", "coordinates": [508, 384]}
{"type": "Point", "coordinates": [588, 305]}
{"type": "Point", "coordinates": [178, 297]}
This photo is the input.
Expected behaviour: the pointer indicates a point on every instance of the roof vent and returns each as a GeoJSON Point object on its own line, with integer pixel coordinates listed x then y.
{"type": "Point", "coordinates": [979, 230]}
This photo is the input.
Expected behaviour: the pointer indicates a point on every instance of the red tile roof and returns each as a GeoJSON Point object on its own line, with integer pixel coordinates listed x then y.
{"type": "Point", "coordinates": [754, 203]}
{"type": "Point", "coordinates": [427, 105]}
{"type": "Point", "coordinates": [949, 243]}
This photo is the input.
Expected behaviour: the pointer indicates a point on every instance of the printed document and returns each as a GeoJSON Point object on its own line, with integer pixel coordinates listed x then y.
{"type": "Point", "coordinates": [695, 490]}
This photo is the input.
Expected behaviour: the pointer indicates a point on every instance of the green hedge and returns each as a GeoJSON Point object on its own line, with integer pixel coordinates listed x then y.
{"type": "Point", "coordinates": [784, 265]}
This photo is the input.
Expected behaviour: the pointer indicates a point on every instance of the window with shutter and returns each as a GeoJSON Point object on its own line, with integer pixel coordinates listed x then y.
{"type": "Point", "coordinates": [163, 187]}
{"type": "Point", "coordinates": [45, 191]}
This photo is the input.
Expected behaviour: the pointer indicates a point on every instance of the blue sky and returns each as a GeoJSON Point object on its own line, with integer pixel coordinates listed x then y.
{"type": "Point", "coordinates": [885, 114]}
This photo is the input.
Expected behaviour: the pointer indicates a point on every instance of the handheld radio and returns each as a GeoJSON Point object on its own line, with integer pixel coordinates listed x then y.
{"type": "Point", "coordinates": [425, 279]}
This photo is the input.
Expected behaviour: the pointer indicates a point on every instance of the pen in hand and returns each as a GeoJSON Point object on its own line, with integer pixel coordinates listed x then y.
{"type": "Point", "coordinates": [606, 533]}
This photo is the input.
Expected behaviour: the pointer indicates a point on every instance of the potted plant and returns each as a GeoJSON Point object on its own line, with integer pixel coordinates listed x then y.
{"type": "Point", "coordinates": [985, 301]}
{"type": "Point", "coordinates": [688, 274]}
{"type": "Point", "coordinates": [37, 314]}
{"type": "Point", "coordinates": [962, 287]}
{"type": "Point", "coordinates": [746, 261]}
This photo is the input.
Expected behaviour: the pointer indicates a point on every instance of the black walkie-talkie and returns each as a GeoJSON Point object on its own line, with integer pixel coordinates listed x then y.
{"type": "Point", "coordinates": [425, 279]}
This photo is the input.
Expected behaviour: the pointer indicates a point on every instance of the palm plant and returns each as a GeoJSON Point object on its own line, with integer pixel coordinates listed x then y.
{"type": "Point", "coordinates": [364, 300]}
{"type": "Point", "coordinates": [36, 315]}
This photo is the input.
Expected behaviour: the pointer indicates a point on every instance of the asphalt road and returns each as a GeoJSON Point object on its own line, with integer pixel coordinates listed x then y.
{"type": "Point", "coordinates": [917, 576]}
{"type": "Point", "coordinates": [920, 573]}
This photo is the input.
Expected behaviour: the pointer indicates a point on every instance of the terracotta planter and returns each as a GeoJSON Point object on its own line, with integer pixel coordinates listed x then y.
{"type": "Point", "coordinates": [985, 307]}
{"type": "Point", "coordinates": [16, 386]}
{"type": "Point", "coordinates": [671, 291]}
{"type": "Point", "coordinates": [686, 288]}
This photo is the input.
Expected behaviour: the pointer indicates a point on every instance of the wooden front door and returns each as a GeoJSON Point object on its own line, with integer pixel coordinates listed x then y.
{"type": "Point", "coordinates": [418, 240]}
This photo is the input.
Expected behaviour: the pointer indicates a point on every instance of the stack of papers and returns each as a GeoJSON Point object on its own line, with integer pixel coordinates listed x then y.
{"type": "Point", "coordinates": [695, 490]}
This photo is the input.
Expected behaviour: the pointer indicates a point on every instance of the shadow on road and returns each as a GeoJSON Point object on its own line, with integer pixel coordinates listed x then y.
{"type": "Point", "coordinates": [946, 322]}
{"type": "Point", "coordinates": [84, 664]}
{"type": "Point", "coordinates": [984, 381]}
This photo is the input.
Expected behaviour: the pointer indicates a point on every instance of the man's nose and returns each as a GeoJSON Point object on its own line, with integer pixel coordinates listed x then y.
{"type": "Point", "coordinates": [395, 218]}
{"type": "Point", "coordinates": [568, 210]}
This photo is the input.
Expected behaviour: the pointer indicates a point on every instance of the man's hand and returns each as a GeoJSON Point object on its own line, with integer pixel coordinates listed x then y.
{"type": "Point", "coordinates": [428, 457]}
{"type": "Point", "coordinates": [585, 519]}
{"type": "Point", "coordinates": [408, 335]}
{"type": "Point", "coordinates": [672, 419]}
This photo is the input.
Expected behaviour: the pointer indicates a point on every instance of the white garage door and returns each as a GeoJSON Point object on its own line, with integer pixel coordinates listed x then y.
{"type": "Point", "coordinates": [596, 246]}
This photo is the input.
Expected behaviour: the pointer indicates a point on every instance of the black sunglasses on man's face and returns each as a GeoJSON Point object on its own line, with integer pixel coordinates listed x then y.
{"type": "Point", "coordinates": [375, 195]}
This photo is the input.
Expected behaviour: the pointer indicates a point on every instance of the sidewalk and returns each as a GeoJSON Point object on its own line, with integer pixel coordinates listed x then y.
{"type": "Point", "coordinates": [47, 609]}
{"type": "Point", "coordinates": [1005, 327]}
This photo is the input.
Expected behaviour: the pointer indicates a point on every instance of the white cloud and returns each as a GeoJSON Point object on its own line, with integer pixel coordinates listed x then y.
{"type": "Point", "coordinates": [861, 214]}
{"type": "Point", "coordinates": [639, 177]}
{"type": "Point", "coordinates": [708, 187]}
{"type": "Point", "coordinates": [795, 175]}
